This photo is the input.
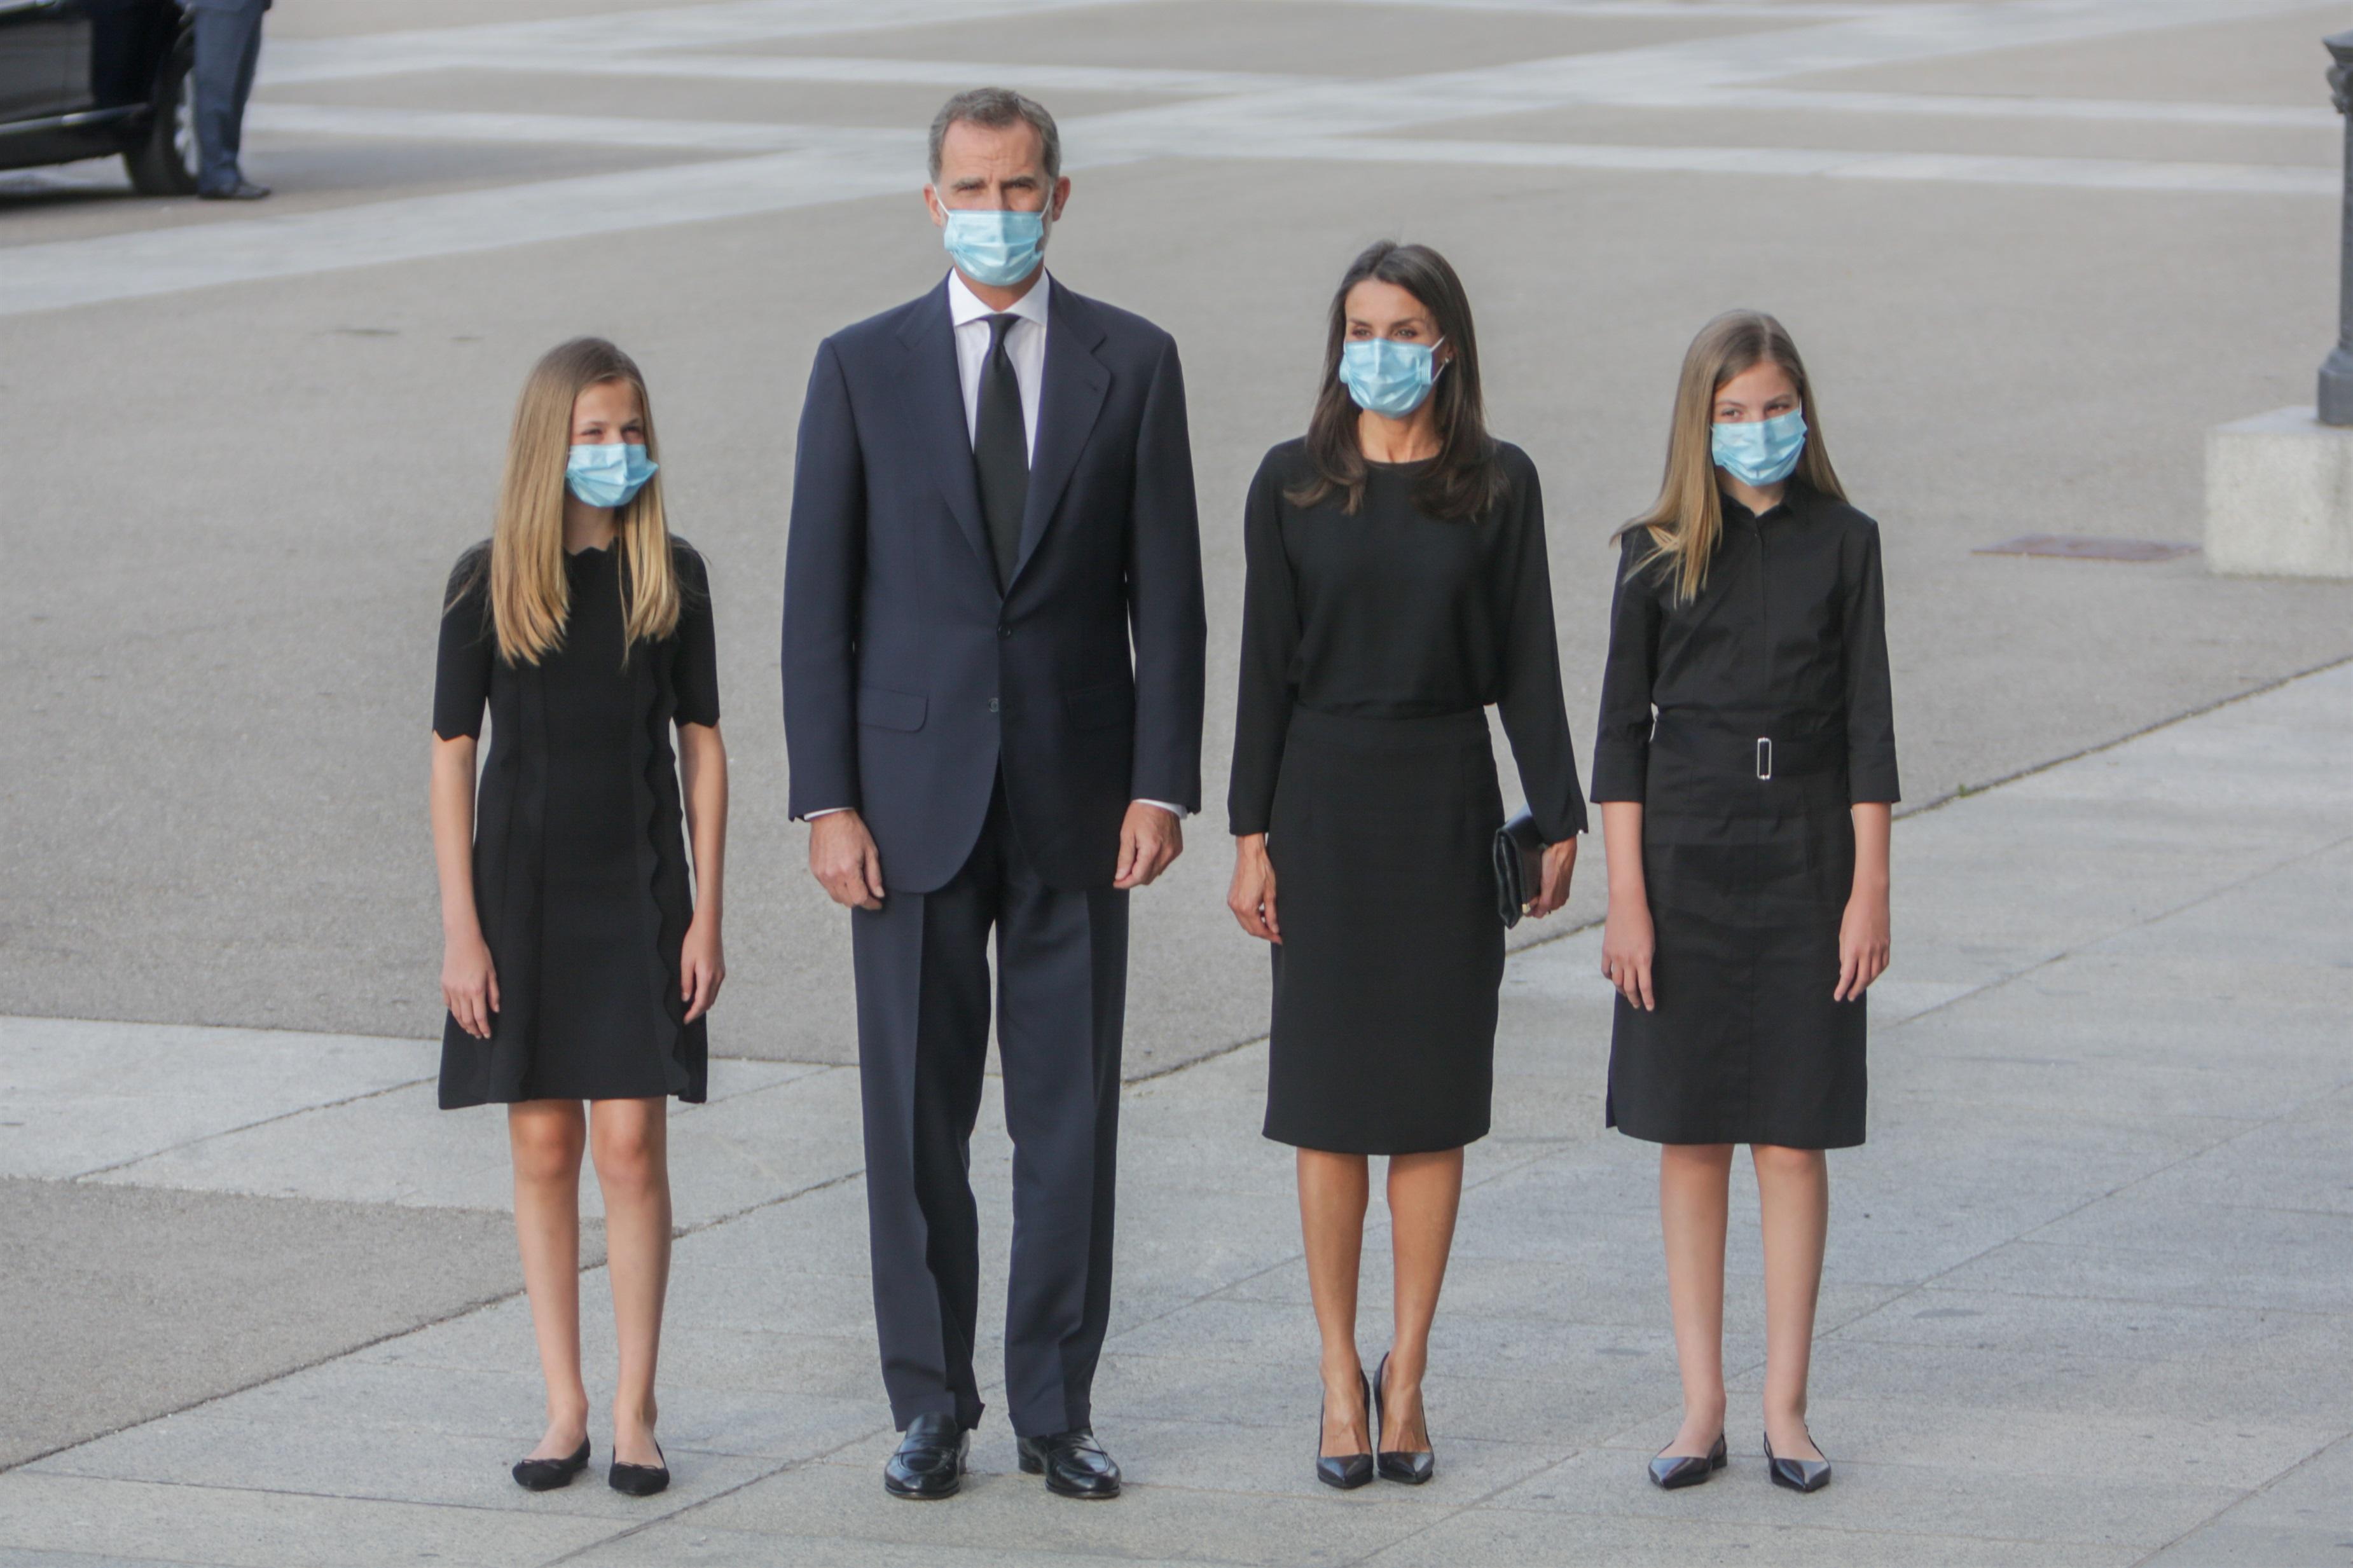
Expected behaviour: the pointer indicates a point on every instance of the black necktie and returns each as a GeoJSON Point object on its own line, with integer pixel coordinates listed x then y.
{"type": "Point", "coordinates": [1000, 450]}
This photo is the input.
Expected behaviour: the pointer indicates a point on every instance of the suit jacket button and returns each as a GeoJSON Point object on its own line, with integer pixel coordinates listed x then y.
{"type": "Point", "coordinates": [992, 705]}
{"type": "Point", "coordinates": [1005, 631]}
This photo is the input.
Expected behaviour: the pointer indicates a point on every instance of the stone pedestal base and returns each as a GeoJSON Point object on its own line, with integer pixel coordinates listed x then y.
{"type": "Point", "coordinates": [2279, 497]}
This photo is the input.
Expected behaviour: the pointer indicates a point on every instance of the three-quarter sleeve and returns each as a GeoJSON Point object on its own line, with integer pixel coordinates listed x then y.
{"type": "Point", "coordinates": [461, 677]}
{"type": "Point", "coordinates": [1535, 713]}
{"type": "Point", "coordinates": [1270, 648]}
{"type": "Point", "coordinates": [1621, 740]}
{"type": "Point", "coordinates": [695, 676]}
{"type": "Point", "coordinates": [1869, 704]}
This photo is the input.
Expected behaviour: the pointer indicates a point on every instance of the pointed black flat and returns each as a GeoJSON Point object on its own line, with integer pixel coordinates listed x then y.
{"type": "Point", "coordinates": [1798, 1475]}
{"type": "Point", "coordinates": [638, 1480]}
{"type": "Point", "coordinates": [1406, 1467]}
{"type": "Point", "coordinates": [1668, 1473]}
{"type": "Point", "coordinates": [546, 1475]}
{"type": "Point", "coordinates": [1345, 1472]}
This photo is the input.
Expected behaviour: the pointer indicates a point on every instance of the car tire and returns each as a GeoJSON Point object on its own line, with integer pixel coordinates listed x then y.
{"type": "Point", "coordinates": [164, 162]}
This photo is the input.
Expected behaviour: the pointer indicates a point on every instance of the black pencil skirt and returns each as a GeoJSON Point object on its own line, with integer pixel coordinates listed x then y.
{"type": "Point", "coordinates": [1746, 1044]}
{"type": "Point", "coordinates": [1392, 951]}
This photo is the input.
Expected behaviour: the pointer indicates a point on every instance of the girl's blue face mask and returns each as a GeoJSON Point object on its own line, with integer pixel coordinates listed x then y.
{"type": "Point", "coordinates": [998, 248]}
{"type": "Point", "coordinates": [1388, 377]}
{"type": "Point", "coordinates": [1760, 451]}
{"type": "Point", "coordinates": [609, 475]}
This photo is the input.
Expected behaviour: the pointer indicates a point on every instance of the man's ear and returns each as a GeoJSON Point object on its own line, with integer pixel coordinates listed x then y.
{"type": "Point", "coordinates": [1062, 199]}
{"type": "Point", "coordinates": [933, 204]}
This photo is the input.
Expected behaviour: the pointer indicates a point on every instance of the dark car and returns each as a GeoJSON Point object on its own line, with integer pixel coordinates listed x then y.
{"type": "Point", "coordinates": [88, 79]}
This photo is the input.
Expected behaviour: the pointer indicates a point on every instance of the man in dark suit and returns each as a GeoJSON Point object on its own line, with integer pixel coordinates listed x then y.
{"type": "Point", "coordinates": [992, 505]}
{"type": "Point", "coordinates": [229, 46]}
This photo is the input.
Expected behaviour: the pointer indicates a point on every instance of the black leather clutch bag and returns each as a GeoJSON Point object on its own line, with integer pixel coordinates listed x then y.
{"type": "Point", "coordinates": [1519, 866]}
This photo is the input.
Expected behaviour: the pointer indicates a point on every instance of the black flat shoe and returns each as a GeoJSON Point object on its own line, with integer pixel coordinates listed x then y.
{"type": "Point", "coordinates": [1407, 1467]}
{"type": "Point", "coordinates": [929, 1464]}
{"type": "Point", "coordinates": [1345, 1472]}
{"type": "Point", "coordinates": [1798, 1475]}
{"type": "Point", "coordinates": [546, 1475]}
{"type": "Point", "coordinates": [1074, 1464]}
{"type": "Point", "coordinates": [638, 1480]}
{"type": "Point", "coordinates": [1688, 1470]}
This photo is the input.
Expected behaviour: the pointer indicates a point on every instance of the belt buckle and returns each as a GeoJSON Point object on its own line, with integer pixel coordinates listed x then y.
{"type": "Point", "coordinates": [1764, 757]}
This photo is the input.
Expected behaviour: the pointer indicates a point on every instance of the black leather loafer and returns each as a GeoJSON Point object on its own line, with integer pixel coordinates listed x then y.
{"type": "Point", "coordinates": [1798, 1475]}
{"type": "Point", "coordinates": [546, 1475]}
{"type": "Point", "coordinates": [638, 1480]}
{"type": "Point", "coordinates": [1407, 1467]}
{"type": "Point", "coordinates": [1344, 1472]}
{"type": "Point", "coordinates": [1669, 1472]}
{"type": "Point", "coordinates": [929, 1464]}
{"type": "Point", "coordinates": [1074, 1464]}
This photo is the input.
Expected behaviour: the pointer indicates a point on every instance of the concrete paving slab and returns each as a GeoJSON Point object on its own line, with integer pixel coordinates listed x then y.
{"type": "Point", "coordinates": [1500, 1535]}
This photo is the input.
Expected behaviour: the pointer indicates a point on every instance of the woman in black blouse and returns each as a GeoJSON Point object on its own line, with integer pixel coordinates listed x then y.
{"type": "Point", "coordinates": [576, 962]}
{"type": "Point", "coordinates": [1744, 765]}
{"type": "Point", "coordinates": [1398, 585]}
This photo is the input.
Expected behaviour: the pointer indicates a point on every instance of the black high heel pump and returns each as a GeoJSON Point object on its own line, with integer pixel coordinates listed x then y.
{"type": "Point", "coordinates": [1345, 1472]}
{"type": "Point", "coordinates": [1407, 1467]}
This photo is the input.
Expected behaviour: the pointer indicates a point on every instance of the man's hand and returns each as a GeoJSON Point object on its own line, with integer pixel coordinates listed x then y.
{"type": "Point", "coordinates": [1149, 842]}
{"type": "Point", "coordinates": [843, 858]}
{"type": "Point", "coordinates": [1559, 862]}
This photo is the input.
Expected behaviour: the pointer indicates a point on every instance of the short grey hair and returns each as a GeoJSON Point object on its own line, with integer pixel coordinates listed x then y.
{"type": "Point", "coordinates": [996, 108]}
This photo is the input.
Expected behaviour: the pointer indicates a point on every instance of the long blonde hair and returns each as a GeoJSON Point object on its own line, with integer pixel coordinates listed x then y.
{"type": "Point", "coordinates": [1687, 519]}
{"type": "Point", "coordinates": [529, 597]}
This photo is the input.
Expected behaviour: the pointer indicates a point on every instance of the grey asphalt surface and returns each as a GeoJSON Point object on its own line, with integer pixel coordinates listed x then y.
{"type": "Point", "coordinates": [229, 509]}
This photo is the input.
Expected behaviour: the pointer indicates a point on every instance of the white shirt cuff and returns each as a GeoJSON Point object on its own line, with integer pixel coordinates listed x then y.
{"type": "Point", "coordinates": [1177, 811]}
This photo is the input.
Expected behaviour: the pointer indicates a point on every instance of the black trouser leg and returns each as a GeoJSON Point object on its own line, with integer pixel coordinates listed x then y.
{"type": "Point", "coordinates": [921, 967]}
{"type": "Point", "coordinates": [1061, 960]}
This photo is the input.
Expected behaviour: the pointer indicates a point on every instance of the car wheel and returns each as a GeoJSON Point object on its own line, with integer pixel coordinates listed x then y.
{"type": "Point", "coordinates": [167, 157]}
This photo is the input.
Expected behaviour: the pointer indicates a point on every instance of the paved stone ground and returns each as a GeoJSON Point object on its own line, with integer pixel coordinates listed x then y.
{"type": "Point", "coordinates": [2034, 248]}
{"type": "Point", "coordinates": [2089, 1295]}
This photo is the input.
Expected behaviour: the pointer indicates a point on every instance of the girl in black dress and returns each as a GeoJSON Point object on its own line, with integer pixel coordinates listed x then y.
{"type": "Point", "coordinates": [1745, 765]}
{"type": "Point", "coordinates": [1398, 585]}
{"type": "Point", "coordinates": [576, 962]}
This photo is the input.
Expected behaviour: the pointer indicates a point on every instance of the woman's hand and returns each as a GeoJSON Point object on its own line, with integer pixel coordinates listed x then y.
{"type": "Point", "coordinates": [1252, 896]}
{"type": "Point", "coordinates": [701, 966]}
{"type": "Point", "coordinates": [1862, 945]}
{"type": "Point", "coordinates": [1628, 944]}
{"type": "Point", "coordinates": [469, 983]}
{"type": "Point", "coordinates": [1559, 862]}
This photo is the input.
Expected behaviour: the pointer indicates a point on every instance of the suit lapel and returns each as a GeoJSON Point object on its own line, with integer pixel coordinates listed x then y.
{"type": "Point", "coordinates": [931, 395]}
{"type": "Point", "coordinates": [1076, 384]}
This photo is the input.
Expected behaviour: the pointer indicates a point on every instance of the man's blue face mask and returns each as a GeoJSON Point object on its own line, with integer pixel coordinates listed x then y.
{"type": "Point", "coordinates": [998, 248]}
{"type": "Point", "coordinates": [1387, 377]}
{"type": "Point", "coordinates": [609, 475]}
{"type": "Point", "coordinates": [1760, 451]}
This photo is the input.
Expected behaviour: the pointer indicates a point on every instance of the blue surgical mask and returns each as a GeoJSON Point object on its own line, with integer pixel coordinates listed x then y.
{"type": "Point", "coordinates": [998, 248]}
{"type": "Point", "coordinates": [609, 475]}
{"type": "Point", "coordinates": [1388, 377]}
{"type": "Point", "coordinates": [1760, 451]}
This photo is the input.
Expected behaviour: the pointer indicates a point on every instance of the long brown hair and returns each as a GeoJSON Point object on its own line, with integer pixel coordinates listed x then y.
{"type": "Point", "coordinates": [1687, 519]}
{"type": "Point", "coordinates": [1465, 480]}
{"type": "Point", "coordinates": [529, 597]}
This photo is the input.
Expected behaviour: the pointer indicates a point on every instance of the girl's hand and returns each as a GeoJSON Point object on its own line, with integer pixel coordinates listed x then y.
{"type": "Point", "coordinates": [702, 967]}
{"type": "Point", "coordinates": [469, 983]}
{"type": "Point", "coordinates": [1559, 862]}
{"type": "Point", "coordinates": [1252, 896]}
{"type": "Point", "coordinates": [1628, 943]}
{"type": "Point", "coordinates": [1863, 945]}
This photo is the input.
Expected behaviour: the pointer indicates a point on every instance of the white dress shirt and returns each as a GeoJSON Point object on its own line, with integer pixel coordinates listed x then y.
{"type": "Point", "coordinates": [1025, 345]}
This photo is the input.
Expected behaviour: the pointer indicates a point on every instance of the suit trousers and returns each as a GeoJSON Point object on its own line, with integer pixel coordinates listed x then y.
{"type": "Point", "coordinates": [229, 46]}
{"type": "Point", "coordinates": [923, 977]}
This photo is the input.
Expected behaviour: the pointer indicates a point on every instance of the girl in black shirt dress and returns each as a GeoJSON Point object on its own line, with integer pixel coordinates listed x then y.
{"type": "Point", "coordinates": [1398, 585]}
{"type": "Point", "coordinates": [578, 964]}
{"type": "Point", "coordinates": [1745, 765]}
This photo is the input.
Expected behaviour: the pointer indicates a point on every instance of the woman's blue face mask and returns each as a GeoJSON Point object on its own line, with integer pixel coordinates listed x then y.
{"type": "Point", "coordinates": [1388, 377]}
{"type": "Point", "coordinates": [609, 475]}
{"type": "Point", "coordinates": [1760, 451]}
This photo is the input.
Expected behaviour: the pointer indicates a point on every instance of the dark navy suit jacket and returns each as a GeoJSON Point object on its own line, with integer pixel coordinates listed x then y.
{"type": "Point", "coordinates": [911, 680]}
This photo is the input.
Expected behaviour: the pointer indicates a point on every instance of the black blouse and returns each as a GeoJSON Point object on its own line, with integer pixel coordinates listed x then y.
{"type": "Point", "coordinates": [1787, 639]}
{"type": "Point", "coordinates": [1394, 614]}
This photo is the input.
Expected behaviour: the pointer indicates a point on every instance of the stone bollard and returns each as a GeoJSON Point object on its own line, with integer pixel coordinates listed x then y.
{"type": "Point", "coordinates": [2279, 486]}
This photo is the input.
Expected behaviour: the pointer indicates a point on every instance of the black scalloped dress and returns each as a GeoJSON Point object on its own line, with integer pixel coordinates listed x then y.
{"type": "Point", "coordinates": [580, 864]}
